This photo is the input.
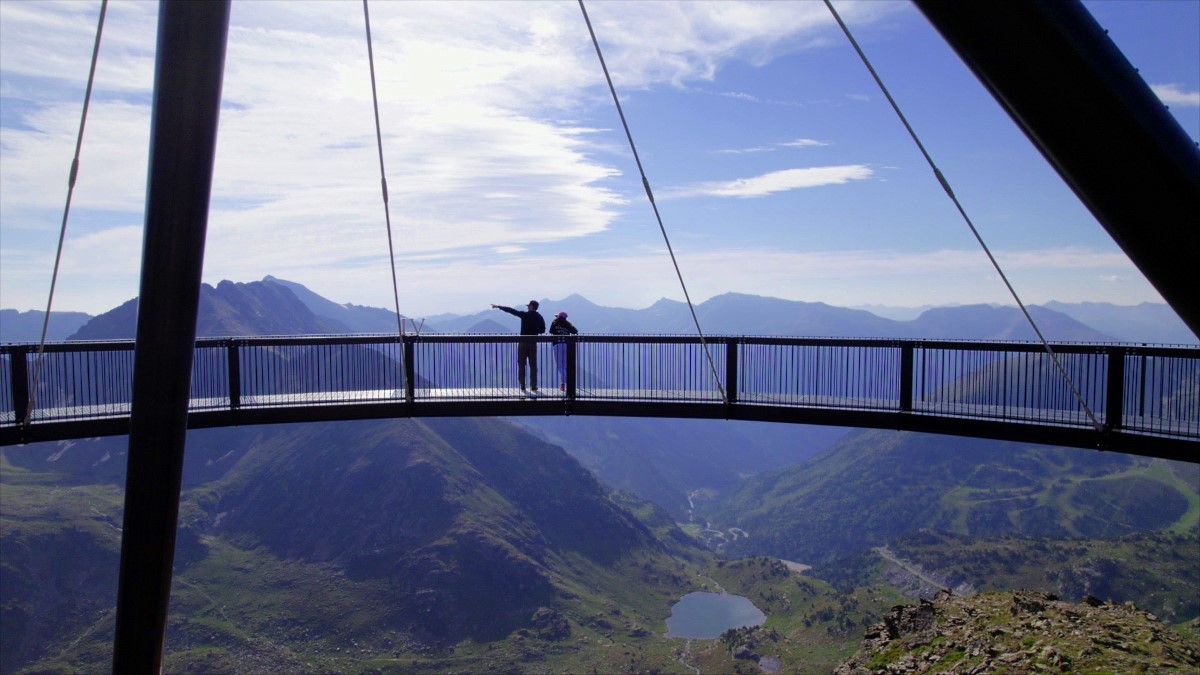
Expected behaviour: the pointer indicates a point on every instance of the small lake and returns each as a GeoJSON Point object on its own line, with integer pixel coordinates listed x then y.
{"type": "Point", "coordinates": [707, 615]}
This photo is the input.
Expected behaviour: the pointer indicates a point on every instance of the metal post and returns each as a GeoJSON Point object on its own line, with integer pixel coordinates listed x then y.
{"type": "Point", "coordinates": [906, 376]}
{"type": "Point", "coordinates": [410, 369]}
{"type": "Point", "coordinates": [572, 361]}
{"type": "Point", "coordinates": [1114, 400]}
{"type": "Point", "coordinates": [19, 369]}
{"type": "Point", "coordinates": [235, 374]}
{"type": "Point", "coordinates": [731, 371]}
{"type": "Point", "coordinates": [187, 98]}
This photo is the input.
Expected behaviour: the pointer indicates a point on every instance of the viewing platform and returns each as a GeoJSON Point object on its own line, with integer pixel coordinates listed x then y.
{"type": "Point", "coordinates": [1140, 399]}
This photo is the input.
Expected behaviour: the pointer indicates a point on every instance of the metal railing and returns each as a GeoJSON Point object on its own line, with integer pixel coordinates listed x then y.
{"type": "Point", "coordinates": [1152, 391]}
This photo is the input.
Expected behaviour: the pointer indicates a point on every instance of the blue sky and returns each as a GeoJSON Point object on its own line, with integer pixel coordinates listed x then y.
{"type": "Point", "coordinates": [778, 166]}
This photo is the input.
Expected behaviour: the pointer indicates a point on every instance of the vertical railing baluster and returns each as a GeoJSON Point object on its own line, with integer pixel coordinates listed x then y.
{"type": "Point", "coordinates": [234, 373]}
{"type": "Point", "coordinates": [1114, 404]}
{"type": "Point", "coordinates": [410, 373]}
{"type": "Point", "coordinates": [731, 370]}
{"type": "Point", "coordinates": [572, 358]}
{"type": "Point", "coordinates": [20, 383]}
{"type": "Point", "coordinates": [906, 376]}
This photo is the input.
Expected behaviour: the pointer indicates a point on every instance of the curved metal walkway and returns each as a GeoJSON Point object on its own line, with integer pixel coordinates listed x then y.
{"type": "Point", "coordinates": [1146, 399]}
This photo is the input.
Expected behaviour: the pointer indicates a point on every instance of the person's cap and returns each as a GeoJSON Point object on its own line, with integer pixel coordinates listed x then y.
{"type": "Point", "coordinates": [561, 315]}
{"type": "Point", "coordinates": [533, 304]}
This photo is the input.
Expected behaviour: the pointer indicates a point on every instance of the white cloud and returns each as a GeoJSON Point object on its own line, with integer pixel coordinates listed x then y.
{"type": "Point", "coordinates": [680, 42]}
{"type": "Point", "coordinates": [490, 142]}
{"type": "Point", "coordinates": [798, 143]}
{"type": "Point", "coordinates": [747, 151]}
{"type": "Point", "coordinates": [804, 143]}
{"type": "Point", "coordinates": [471, 101]}
{"type": "Point", "coordinates": [1173, 94]}
{"type": "Point", "coordinates": [740, 95]}
{"type": "Point", "coordinates": [775, 181]}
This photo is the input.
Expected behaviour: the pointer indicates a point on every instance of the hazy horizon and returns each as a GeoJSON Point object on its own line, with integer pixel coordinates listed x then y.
{"type": "Point", "coordinates": [881, 310]}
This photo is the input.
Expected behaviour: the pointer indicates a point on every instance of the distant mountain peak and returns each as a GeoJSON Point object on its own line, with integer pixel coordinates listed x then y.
{"type": "Point", "coordinates": [665, 302]}
{"type": "Point", "coordinates": [575, 299]}
{"type": "Point", "coordinates": [228, 309]}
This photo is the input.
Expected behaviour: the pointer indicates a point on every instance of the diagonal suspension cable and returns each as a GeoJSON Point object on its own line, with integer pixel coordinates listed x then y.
{"type": "Point", "coordinates": [62, 232]}
{"type": "Point", "coordinates": [958, 205]}
{"type": "Point", "coordinates": [650, 195]}
{"type": "Point", "coordinates": [382, 174]}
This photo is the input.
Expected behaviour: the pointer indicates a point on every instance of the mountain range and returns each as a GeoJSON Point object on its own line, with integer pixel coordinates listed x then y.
{"type": "Point", "coordinates": [488, 544]}
{"type": "Point", "coordinates": [730, 313]}
{"type": "Point", "coordinates": [27, 326]}
{"type": "Point", "coordinates": [739, 314]}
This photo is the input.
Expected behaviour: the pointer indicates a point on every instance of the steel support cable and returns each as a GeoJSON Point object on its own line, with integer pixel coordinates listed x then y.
{"type": "Point", "coordinates": [62, 232]}
{"type": "Point", "coordinates": [387, 216]}
{"type": "Point", "coordinates": [958, 205]}
{"type": "Point", "coordinates": [650, 195]}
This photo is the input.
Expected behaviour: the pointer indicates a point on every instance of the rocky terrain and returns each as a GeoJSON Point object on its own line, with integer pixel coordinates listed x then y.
{"type": "Point", "coordinates": [1023, 632]}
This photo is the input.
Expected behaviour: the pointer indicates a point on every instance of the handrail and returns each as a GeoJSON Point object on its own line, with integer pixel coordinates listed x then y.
{"type": "Point", "coordinates": [1147, 396]}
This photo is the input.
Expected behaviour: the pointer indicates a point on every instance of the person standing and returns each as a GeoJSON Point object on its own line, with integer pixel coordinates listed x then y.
{"type": "Point", "coordinates": [532, 323]}
{"type": "Point", "coordinates": [560, 327]}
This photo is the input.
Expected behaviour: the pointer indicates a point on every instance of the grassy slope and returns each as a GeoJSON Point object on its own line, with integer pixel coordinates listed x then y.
{"type": "Point", "coordinates": [876, 486]}
{"type": "Point", "coordinates": [60, 544]}
{"type": "Point", "coordinates": [248, 611]}
{"type": "Point", "coordinates": [810, 627]}
{"type": "Point", "coordinates": [1159, 572]}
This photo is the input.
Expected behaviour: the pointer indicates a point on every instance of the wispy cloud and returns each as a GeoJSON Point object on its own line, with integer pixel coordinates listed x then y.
{"type": "Point", "coordinates": [775, 181]}
{"type": "Point", "coordinates": [747, 151]}
{"type": "Point", "coordinates": [1174, 94]}
{"type": "Point", "coordinates": [804, 143]}
{"type": "Point", "coordinates": [798, 143]}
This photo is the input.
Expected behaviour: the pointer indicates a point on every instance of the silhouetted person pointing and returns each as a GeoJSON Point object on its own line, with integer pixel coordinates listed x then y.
{"type": "Point", "coordinates": [532, 323]}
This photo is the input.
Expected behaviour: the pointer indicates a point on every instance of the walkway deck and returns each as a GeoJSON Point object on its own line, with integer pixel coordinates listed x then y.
{"type": "Point", "coordinates": [1143, 400]}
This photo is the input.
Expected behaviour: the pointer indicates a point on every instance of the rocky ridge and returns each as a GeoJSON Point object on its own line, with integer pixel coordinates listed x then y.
{"type": "Point", "coordinates": [1022, 632]}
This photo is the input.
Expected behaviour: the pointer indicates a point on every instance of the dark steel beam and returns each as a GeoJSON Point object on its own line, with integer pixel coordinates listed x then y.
{"type": "Point", "coordinates": [19, 381]}
{"type": "Point", "coordinates": [1076, 96]}
{"type": "Point", "coordinates": [1181, 449]}
{"type": "Point", "coordinates": [187, 100]}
